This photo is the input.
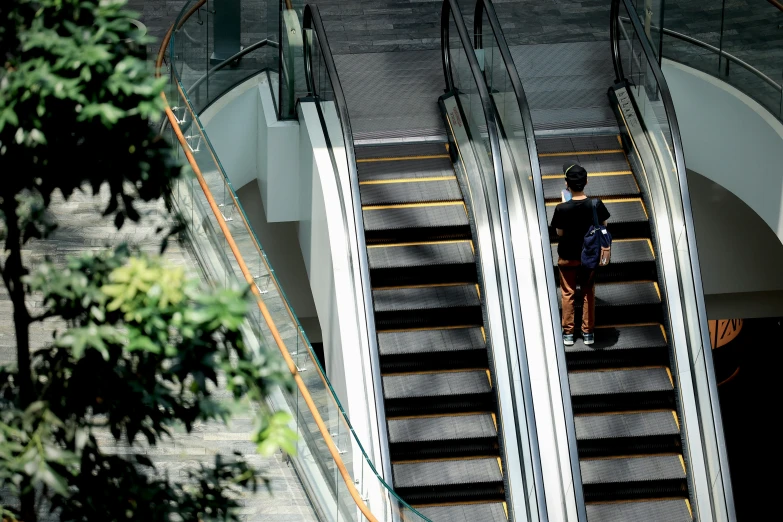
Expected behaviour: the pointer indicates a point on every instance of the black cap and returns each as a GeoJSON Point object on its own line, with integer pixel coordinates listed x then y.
{"type": "Point", "coordinates": [575, 176]}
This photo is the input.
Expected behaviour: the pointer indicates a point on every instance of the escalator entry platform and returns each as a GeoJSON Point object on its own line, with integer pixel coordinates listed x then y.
{"type": "Point", "coordinates": [439, 398]}
{"type": "Point", "coordinates": [622, 389]}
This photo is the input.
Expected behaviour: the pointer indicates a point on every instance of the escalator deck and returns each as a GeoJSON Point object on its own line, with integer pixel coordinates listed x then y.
{"type": "Point", "coordinates": [622, 390]}
{"type": "Point", "coordinates": [438, 394]}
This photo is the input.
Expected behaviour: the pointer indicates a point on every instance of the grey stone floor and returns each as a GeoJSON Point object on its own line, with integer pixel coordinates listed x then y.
{"type": "Point", "coordinates": [82, 228]}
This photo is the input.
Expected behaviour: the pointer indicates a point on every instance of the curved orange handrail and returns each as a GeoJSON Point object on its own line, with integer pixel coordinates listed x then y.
{"type": "Point", "coordinates": [333, 451]}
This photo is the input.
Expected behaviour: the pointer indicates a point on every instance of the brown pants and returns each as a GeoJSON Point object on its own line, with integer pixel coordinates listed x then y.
{"type": "Point", "coordinates": [571, 273]}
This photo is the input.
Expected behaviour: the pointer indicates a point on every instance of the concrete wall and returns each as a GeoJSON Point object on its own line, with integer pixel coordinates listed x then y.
{"type": "Point", "coordinates": [730, 139]}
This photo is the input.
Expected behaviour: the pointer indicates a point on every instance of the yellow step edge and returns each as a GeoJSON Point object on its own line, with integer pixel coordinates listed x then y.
{"type": "Point", "coordinates": [419, 243]}
{"type": "Point", "coordinates": [447, 459]}
{"type": "Point", "coordinates": [406, 180]}
{"type": "Point", "coordinates": [461, 503]}
{"type": "Point", "coordinates": [415, 205]}
{"type": "Point", "coordinates": [608, 200]}
{"type": "Point", "coordinates": [591, 174]}
{"type": "Point", "coordinates": [633, 456]}
{"type": "Point", "coordinates": [459, 327]}
{"type": "Point", "coordinates": [433, 372]}
{"type": "Point", "coordinates": [436, 415]}
{"type": "Point", "coordinates": [624, 368]}
{"type": "Point", "coordinates": [402, 158]}
{"type": "Point", "coordinates": [625, 412]}
{"type": "Point", "coordinates": [434, 285]}
{"type": "Point", "coordinates": [634, 501]}
{"type": "Point", "coordinates": [580, 153]}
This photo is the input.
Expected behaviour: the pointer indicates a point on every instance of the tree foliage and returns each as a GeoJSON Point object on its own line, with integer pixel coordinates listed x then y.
{"type": "Point", "coordinates": [142, 347]}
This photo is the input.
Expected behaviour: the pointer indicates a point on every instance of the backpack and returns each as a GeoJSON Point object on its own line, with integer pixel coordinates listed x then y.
{"type": "Point", "coordinates": [597, 246]}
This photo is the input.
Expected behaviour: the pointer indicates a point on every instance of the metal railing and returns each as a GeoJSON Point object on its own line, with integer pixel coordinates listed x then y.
{"type": "Point", "coordinates": [325, 89]}
{"type": "Point", "coordinates": [330, 459]}
{"type": "Point", "coordinates": [637, 68]}
{"type": "Point", "coordinates": [516, 123]}
{"type": "Point", "coordinates": [517, 424]}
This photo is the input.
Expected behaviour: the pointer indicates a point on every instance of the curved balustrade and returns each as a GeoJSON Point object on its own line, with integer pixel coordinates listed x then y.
{"type": "Point", "coordinates": [637, 67]}
{"type": "Point", "coordinates": [722, 43]}
{"type": "Point", "coordinates": [330, 459]}
{"type": "Point", "coordinates": [526, 184]}
{"type": "Point", "coordinates": [478, 113]}
{"type": "Point", "coordinates": [324, 88]}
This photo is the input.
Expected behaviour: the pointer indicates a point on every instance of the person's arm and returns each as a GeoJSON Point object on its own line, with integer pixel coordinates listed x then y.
{"type": "Point", "coordinates": [603, 213]}
{"type": "Point", "coordinates": [556, 222]}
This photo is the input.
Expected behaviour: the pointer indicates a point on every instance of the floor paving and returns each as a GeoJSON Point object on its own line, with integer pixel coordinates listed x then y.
{"type": "Point", "coordinates": [82, 228]}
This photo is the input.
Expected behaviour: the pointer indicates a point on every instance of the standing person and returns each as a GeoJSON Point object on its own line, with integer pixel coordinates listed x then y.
{"type": "Point", "coordinates": [573, 217]}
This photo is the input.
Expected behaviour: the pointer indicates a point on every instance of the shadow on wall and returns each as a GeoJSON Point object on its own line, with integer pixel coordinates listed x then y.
{"type": "Point", "coordinates": [740, 255]}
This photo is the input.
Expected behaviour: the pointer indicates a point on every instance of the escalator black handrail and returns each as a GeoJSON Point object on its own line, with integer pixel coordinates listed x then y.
{"type": "Point", "coordinates": [312, 21]}
{"type": "Point", "coordinates": [486, 7]}
{"type": "Point", "coordinates": [679, 157]}
{"type": "Point", "coordinates": [451, 8]}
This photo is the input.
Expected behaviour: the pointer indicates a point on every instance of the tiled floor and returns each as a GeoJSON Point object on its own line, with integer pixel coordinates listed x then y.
{"type": "Point", "coordinates": [81, 227]}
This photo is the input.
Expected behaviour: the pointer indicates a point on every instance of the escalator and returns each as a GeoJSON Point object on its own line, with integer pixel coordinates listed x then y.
{"type": "Point", "coordinates": [641, 450]}
{"type": "Point", "coordinates": [622, 390]}
{"type": "Point", "coordinates": [433, 263]}
{"type": "Point", "coordinates": [438, 394]}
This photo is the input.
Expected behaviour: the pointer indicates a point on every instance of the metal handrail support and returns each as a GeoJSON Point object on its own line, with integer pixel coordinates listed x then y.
{"type": "Point", "coordinates": [312, 21]}
{"type": "Point", "coordinates": [482, 7]}
{"type": "Point", "coordinates": [679, 160]}
{"type": "Point", "coordinates": [451, 7]}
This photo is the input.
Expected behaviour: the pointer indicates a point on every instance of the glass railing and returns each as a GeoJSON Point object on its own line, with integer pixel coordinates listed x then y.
{"type": "Point", "coordinates": [648, 110]}
{"type": "Point", "coordinates": [532, 251]}
{"type": "Point", "coordinates": [322, 87]}
{"type": "Point", "coordinates": [217, 45]}
{"type": "Point", "coordinates": [477, 136]}
{"type": "Point", "coordinates": [740, 43]}
{"type": "Point", "coordinates": [339, 477]}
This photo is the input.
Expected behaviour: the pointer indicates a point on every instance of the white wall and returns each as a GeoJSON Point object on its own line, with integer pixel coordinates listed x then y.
{"type": "Point", "coordinates": [730, 139]}
{"type": "Point", "coordinates": [740, 255]}
{"type": "Point", "coordinates": [231, 124]}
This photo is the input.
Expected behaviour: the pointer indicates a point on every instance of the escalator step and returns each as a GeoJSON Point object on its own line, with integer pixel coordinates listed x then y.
{"type": "Point", "coordinates": [436, 393]}
{"type": "Point", "coordinates": [620, 347]}
{"type": "Point", "coordinates": [577, 143]}
{"type": "Point", "coordinates": [623, 434]}
{"type": "Point", "coordinates": [622, 294]}
{"type": "Point", "coordinates": [622, 211]}
{"type": "Point", "coordinates": [592, 163]}
{"type": "Point", "coordinates": [439, 481]}
{"type": "Point", "coordinates": [426, 298]}
{"type": "Point", "coordinates": [396, 151]}
{"type": "Point", "coordinates": [438, 349]}
{"type": "Point", "coordinates": [452, 436]}
{"type": "Point", "coordinates": [632, 469]}
{"type": "Point", "coordinates": [617, 382]}
{"type": "Point", "coordinates": [624, 251]}
{"type": "Point", "coordinates": [484, 512]}
{"type": "Point", "coordinates": [416, 223]}
{"type": "Point", "coordinates": [618, 185]}
{"type": "Point", "coordinates": [621, 338]}
{"type": "Point", "coordinates": [642, 511]}
{"type": "Point", "coordinates": [410, 192]}
{"type": "Point", "coordinates": [438, 429]}
{"type": "Point", "coordinates": [435, 384]}
{"type": "Point", "coordinates": [428, 341]}
{"type": "Point", "coordinates": [625, 425]}
{"type": "Point", "coordinates": [403, 169]}
{"type": "Point", "coordinates": [405, 256]}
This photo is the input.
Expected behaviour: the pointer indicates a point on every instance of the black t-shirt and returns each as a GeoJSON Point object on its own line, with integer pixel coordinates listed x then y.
{"type": "Point", "coordinates": [574, 219]}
